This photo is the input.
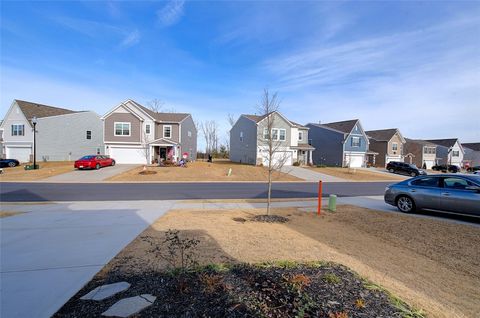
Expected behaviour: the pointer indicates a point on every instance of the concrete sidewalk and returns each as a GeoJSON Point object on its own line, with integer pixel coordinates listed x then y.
{"type": "Point", "coordinates": [91, 175]}
{"type": "Point", "coordinates": [53, 250]}
{"type": "Point", "coordinates": [310, 175]}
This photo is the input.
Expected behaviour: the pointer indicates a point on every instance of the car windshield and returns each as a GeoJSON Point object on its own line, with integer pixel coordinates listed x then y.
{"type": "Point", "coordinates": [411, 165]}
{"type": "Point", "coordinates": [87, 157]}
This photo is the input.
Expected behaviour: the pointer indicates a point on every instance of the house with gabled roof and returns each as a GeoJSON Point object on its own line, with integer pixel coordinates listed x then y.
{"type": "Point", "coordinates": [137, 135]}
{"type": "Point", "coordinates": [388, 143]}
{"type": "Point", "coordinates": [61, 134]}
{"type": "Point", "coordinates": [472, 154]}
{"type": "Point", "coordinates": [421, 153]}
{"type": "Point", "coordinates": [249, 138]}
{"type": "Point", "coordinates": [341, 144]}
{"type": "Point", "coordinates": [449, 151]}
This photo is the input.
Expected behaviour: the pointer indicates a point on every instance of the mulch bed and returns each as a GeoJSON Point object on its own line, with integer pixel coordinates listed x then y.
{"type": "Point", "coordinates": [267, 290]}
{"type": "Point", "coordinates": [147, 172]}
{"type": "Point", "coordinates": [269, 218]}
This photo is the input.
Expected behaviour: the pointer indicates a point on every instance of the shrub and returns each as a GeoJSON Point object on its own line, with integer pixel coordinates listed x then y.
{"type": "Point", "coordinates": [296, 163]}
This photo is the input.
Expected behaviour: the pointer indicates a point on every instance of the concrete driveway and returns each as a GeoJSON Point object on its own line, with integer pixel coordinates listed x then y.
{"type": "Point", "coordinates": [91, 175]}
{"type": "Point", "coordinates": [310, 175]}
{"type": "Point", "coordinates": [53, 250]}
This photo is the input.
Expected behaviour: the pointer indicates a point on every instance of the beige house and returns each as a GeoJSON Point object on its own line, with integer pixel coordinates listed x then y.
{"type": "Point", "coordinates": [388, 143]}
{"type": "Point", "coordinates": [421, 153]}
{"type": "Point", "coordinates": [137, 135]}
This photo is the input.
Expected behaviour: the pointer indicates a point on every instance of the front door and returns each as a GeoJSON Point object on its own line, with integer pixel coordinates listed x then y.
{"type": "Point", "coordinates": [163, 153]}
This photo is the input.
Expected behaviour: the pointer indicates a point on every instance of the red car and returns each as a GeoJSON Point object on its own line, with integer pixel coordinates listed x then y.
{"type": "Point", "coordinates": [94, 162]}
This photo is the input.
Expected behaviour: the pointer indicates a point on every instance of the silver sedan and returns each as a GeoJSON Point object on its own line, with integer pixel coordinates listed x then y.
{"type": "Point", "coordinates": [455, 193]}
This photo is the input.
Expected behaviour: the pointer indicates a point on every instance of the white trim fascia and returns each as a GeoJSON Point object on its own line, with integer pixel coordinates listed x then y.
{"type": "Point", "coordinates": [277, 112]}
{"type": "Point", "coordinates": [131, 101]}
{"type": "Point", "coordinates": [122, 142]}
{"type": "Point", "coordinates": [118, 106]}
{"type": "Point", "coordinates": [16, 142]}
{"type": "Point", "coordinates": [179, 133]}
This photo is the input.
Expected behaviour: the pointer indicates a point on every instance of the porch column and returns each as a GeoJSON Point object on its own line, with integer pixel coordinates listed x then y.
{"type": "Point", "coordinates": [310, 157]}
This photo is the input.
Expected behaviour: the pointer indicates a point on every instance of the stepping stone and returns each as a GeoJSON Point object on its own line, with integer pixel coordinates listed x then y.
{"type": "Point", "coordinates": [105, 291]}
{"type": "Point", "coordinates": [130, 306]}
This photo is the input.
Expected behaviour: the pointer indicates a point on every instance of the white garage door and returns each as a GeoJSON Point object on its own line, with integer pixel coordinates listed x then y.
{"type": "Point", "coordinates": [279, 157]}
{"type": "Point", "coordinates": [429, 164]}
{"type": "Point", "coordinates": [393, 158]}
{"type": "Point", "coordinates": [22, 154]}
{"type": "Point", "coordinates": [355, 160]}
{"type": "Point", "coordinates": [127, 155]}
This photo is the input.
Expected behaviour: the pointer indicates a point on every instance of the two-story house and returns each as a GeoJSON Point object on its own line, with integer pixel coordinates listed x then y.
{"type": "Point", "coordinates": [421, 153]}
{"type": "Point", "coordinates": [342, 144]}
{"type": "Point", "coordinates": [449, 151]}
{"type": "Point", "coordinates": [249, 139]}
{"type": "Point", "coordinates": [137, 135]}
{"type": "Point", "coordinates": [61, 134]}
{"type": "Point", "coordinates": [472, 153]}
{"type": "Point", "coordinates": [388, 143]}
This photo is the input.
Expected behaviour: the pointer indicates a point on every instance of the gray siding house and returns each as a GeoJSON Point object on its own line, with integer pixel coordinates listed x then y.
{"type": "Point", "coordinates": [341, 144]}
{"type": "Point", "coordinates": [136, 134]}
{"type": "Point", "coordinates": [249, 140]}
{"type": "Point", "coordinates": [61, 134]}
{"type": "Point", "coordinates": [449, 151]}
{"type": "Point", "coordinates": [472, 154]}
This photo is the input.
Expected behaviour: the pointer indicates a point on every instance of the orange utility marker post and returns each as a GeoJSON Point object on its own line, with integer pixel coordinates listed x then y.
{"type": "Point", "coordinates": [319, 197]}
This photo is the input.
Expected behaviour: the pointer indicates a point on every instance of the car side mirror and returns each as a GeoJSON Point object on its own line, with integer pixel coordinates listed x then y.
{"type": "Point", "coordinates": [473, 188]}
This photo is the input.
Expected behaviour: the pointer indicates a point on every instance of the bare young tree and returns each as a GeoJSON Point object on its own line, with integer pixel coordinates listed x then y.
{"type": "Point", "coordinates": [231, 120]}
{"type": "Point", "coordinates": [145, 149]}
{"type": "Point", "coordinates": [271, 140]}
{"type": "Point", "coordinates": [155, 105]}
{"type": "Point", "coordinates": [209, 130]}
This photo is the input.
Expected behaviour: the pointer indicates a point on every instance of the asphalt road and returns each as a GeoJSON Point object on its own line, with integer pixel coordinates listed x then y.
{"type": "Point", "coordinates": [29, 192]}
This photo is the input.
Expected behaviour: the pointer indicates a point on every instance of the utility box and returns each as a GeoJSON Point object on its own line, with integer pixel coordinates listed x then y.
{"type": "Point", "coordinates": [31, 167]}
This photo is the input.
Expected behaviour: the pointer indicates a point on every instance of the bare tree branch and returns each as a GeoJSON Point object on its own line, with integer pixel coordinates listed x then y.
{"type": "Point", "coordinates": [155, 105]}
{"type": "Point", "coordinates": [272, 142]}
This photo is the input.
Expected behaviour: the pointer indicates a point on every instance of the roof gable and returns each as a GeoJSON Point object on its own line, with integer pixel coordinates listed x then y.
{"type": "Point", "coordinates": [384, 134]}
{"type": "Point", "coordinates": [163, 117]}
{"type": "Point", "coordinates": [345, 126]}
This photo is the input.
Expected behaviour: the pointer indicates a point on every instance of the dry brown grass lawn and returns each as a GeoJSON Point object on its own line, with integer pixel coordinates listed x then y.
{"type": "Point", "coordinates": [204, 171]}
{"type": "Point", "coordinates": [357, 174]}
{"type": "Point", "coordinates": [432, 264]}
{"type": "Point", "coordinates": [4, 214]}
{"type": "Point", "coordinates": [47, 169]}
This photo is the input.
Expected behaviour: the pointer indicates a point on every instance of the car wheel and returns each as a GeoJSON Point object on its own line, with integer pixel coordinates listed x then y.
{"type": "Point", "coordinates": [97, 166]}
{"type": "Point", "coordinates": [11, 164]}
{"type": "Point", "coordinates": [391, 170]}
{"type": "Point", "coordinates": [113, 163]}
{"type": "Point", "coordinates": [405, 204]}
{"type": "Point", "coordinates": [413, 174]}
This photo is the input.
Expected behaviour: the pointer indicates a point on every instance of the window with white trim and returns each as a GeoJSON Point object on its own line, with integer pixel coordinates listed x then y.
{"type": "Point", "coordinates": [275, 134]}
{"type": "Point", "coordinates": [147, 129]}
{"type": "Point", "coordinates": [355, 141]}
{"type": "Point", "coordinates": [394, 146]}
{"type": "Point", "coordinates": [282, 134]}
{"type": "Point", "coordinates": [18, 130]}
{"type": "Point", "coordinates": [167, 131]}
{"type": "Point", "coordinates": [455, 153]}
{"type": "Point", "coordinates": [300, 136]}
{"type": "Point", "coordinates": [122, 129]}
{"type": "Point", "coordinates": [241, 136]}
{"type": "Point", "coordinates": [266, 135]}
{"type": "Point", "coordinates": [189, 133]}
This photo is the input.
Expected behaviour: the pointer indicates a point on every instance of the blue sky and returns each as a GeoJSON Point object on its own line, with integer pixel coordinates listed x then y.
{"type": "Point", "coordinates": [410, 65]}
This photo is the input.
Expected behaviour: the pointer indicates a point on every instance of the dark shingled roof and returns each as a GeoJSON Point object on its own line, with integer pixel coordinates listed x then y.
{"type": "Point", "coordinates": [444, 142]}
{"type": "Point", "coordinates": [163, 117]}
{"type": "Point", "coordinates": [343, 126]}
{"type": "Point", "coordinates": [257, 118]}
{"type": "Point", "coordinates": [31, 110]}
{"type": "Point", "coordinates": [420, 141]}
{"type": "Point", "coordinates": [472, 145]}
{"type": "Point", "coordinates": [382, 134]}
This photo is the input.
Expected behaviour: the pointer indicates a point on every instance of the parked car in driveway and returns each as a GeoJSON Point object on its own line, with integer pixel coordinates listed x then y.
{"type": "Point", "coordinates": [455, 193]}
{"type": "Point", "coordinates": [446, 168]}
{"type": "Point", "coordinates": [9, 163]}
{"type": "Point", "coordinates": [473, 169]}
{"type": "Point", "coordinates": [94, 162]}
{"type": "Point", "coordinates": [404, 168]}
